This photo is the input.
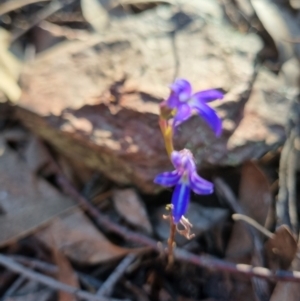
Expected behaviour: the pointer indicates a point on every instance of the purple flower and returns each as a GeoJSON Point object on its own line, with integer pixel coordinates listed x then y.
{"type": "Point", "coordinates": [185, 102]}
{"type": "Point", "coordinates": [185, 179]}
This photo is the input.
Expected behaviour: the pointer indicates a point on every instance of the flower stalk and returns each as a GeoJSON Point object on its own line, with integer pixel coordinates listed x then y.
{"type": "Point", "coordinates": [176, 109]}
{"type": "Point", "coordinates": [167, 132]}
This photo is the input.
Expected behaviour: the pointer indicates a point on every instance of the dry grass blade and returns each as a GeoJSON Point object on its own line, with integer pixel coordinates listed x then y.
{"type": "Point", "coordinates": [12, 5]}
{"type": "Point", "coordinates": [116, 3]}
{"type": "Point", "coordinates": [253, 223]}
{"type": "Point", "coordinates": [50, 282]}
{"type": "Point", "coordinates": [41, 15]}
{"type": "Point", "coordinates": [107, 287]}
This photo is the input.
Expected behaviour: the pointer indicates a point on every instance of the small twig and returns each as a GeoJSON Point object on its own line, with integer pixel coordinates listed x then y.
{"type": "Point", "coordinates": [114, 4]}
{"type": "Point", "coordinates": [291, 184]}
{"type": "Point", "coordinates": [286, 206]}
{"type": "Point", "coordinates": [14, 287]}
{"type": "Point", "coordinates": [282, 205]}
{"type": "Point", "coordinates": [64, 31]}
{"type": "Point", "coordinates": [107, 287]}
{"type": "Point", "coordinates": [253, 223]}
{"type": "Point", "coordinates": [41, 15]}
{"type": "Point", "coordinates": [245, 269]}
{"type": "Point", "coordinates": [35, 264]}
{"type": "Point", "coordinates": [50, 268]}
{"type": "Point", "coordinates": [12, 265]}
{"type": "Point", "coordinates": [12, 5]}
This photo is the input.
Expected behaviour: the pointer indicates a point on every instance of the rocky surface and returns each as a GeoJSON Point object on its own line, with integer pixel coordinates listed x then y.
{"type": "Point", "coordinates": [97, 100]}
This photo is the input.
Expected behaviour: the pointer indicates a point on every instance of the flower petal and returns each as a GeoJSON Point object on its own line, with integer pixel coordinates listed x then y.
{"type": "Point", "coordinates": [199, 185]}
{"type": "Point", "coordinates": [168, 179]}
{"type": "Point", "coordinates": [207, 95]}
{"type": "Point", "coordinates": [180, 201]}
{"type": "Point", "coordinates": [182, 88]}
{"type": "Point", "coordinates": [210, 116]}
{"type": "Point", "coordinates": [176, 159]}
{"type": "Point", "coordinates": [173, 101]}
{"type": "Point", "coordinates": [184, 112]}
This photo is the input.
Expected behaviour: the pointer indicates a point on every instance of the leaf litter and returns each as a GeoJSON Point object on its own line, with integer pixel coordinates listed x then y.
{"type": "Point", "coordinates": [38, 220]}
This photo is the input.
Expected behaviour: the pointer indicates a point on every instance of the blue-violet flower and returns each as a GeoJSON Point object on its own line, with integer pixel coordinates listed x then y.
{"type": "Point", "coordinates": [186, 103]}
{"type": "Point", "coordinates": [185, 179]}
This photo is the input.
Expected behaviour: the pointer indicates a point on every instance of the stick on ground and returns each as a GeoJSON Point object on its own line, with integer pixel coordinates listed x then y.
{"type": "Point", "coordinates": [12, 265]}
{"type": "Point", "coordinates": [107, 287]}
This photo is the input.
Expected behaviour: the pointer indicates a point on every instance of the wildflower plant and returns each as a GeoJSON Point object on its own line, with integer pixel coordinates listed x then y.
{"type": "Point", "coordinates": [176, 109]}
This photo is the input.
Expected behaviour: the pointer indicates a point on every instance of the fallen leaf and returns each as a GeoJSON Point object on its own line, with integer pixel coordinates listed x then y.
{"type": "Point", "coordinates": [35, 154]}
{"type": "Point", "coordinates": [79, 240]}
{"type": "Point", "coordinates": [255, 200]}
{"type": "Point", "coordinates": [131, 208]}
{"type": "Point", "coordinates": [281, 249]}
{"type": "Point", "coordinates": [65, 275]}
{"type": "Point", "coordinates": [288, 290]}
{"type": "Point", "coordinates": [26, 202]}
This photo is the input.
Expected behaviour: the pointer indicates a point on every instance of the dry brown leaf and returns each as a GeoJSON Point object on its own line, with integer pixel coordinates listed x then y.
{"type": "Point", "coordinates": [36, 155]}
{"type": "Point", "coordinates": [131, 208]}
{"type": "Point", "coordinates": [288, 291]}
{"type": "Point", "coordinates": [255, 199]}
{"type": "Point", "coordinates": [281, 249]}
{"type": "Point", "coordinates": [65, 275]}
{"type": "Point", "coordinates": [26, 201]}
{"type": "Point", "coordinates": [79, 240]}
